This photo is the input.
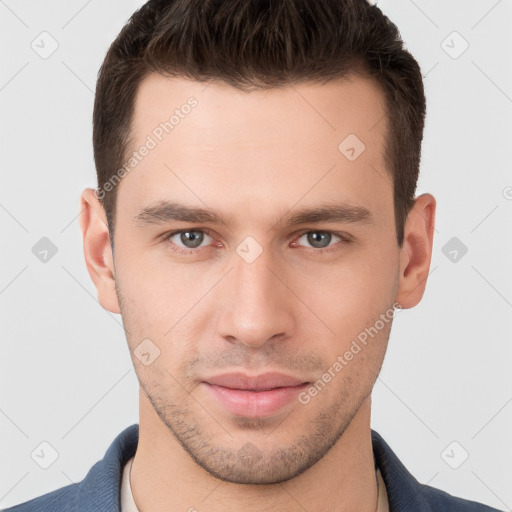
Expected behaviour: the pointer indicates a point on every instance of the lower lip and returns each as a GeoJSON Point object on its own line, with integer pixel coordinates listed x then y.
{"type": "Point", "coordinates": [254, 404]}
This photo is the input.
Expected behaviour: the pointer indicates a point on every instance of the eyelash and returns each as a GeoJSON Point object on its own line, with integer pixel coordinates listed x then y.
{"type": "Point", "coordinates": [344, 239]}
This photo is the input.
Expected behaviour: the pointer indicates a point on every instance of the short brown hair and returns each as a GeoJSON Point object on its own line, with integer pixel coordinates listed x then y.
{"type": "Point", "coordinates": [261, 44]}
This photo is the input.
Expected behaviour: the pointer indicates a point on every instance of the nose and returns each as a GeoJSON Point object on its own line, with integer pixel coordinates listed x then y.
{"type": "Point", "coordinates": [257, 306]}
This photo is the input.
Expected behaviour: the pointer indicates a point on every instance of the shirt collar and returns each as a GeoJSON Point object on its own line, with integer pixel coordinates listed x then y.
{"type": "Point", "coordinates": [101, 488]}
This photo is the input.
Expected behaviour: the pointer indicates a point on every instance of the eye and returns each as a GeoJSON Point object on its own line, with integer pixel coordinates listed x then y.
{"type": "Point", "coordinates": [187, 240]}
{"type": "Point", "coordinates": [320, 241]}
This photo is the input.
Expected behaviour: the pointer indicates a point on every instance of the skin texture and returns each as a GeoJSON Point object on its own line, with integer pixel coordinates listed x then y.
{"type": "Point", "coordinates": [255, 158]}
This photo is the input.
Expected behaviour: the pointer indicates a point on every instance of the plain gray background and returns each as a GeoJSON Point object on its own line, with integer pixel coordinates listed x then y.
{"type": "Point", "coordinates": [67, 378]}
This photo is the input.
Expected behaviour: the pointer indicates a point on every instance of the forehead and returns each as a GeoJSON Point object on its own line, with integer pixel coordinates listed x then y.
{"type": "Point", "coordinates": [350, 105]}
{"type": "Point", "coordinates": [304, 142]}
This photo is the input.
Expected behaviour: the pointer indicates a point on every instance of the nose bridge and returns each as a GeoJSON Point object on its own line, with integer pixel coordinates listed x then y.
{"type": "Point", "coordinates": [255, 307]}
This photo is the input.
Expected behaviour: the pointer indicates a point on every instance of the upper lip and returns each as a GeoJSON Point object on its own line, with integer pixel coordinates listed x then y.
{"type": "Point", "coordinates": [254, 382]}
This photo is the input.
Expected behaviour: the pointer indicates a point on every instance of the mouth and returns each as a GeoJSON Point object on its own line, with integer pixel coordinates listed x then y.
{"type": "Point", "coordinates": [254, 396]}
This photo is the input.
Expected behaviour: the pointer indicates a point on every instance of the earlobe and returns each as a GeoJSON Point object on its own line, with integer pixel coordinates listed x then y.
{"type": "Point", "coordinates": [416, 252]}
{"type": "Point", "coordinates": [97, 249]}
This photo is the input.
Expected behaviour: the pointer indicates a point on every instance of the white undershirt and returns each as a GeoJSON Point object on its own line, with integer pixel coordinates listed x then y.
{"type": "Point", "coordinates": [128, 504]}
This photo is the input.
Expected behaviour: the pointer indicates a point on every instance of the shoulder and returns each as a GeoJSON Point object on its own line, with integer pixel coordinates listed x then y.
{"type": "Point", "coordinates": [405, 493]}
{"type": "Point", "coordinates": [441, 500]}
{"type": "Point", "coordinates": [98, 491]}
{"type": "Point", "coordinates": [60, 500]}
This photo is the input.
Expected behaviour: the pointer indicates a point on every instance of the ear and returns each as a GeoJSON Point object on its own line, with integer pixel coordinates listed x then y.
{"type": "Point", "coordinates": [416, 251]}
{"type": "Point", "coordinates": [97, 250]}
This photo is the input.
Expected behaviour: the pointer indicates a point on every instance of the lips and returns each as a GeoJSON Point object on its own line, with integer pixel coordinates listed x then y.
{"type": "Point", "coordinates": [262, 382]}
{"type": "Point", "coordinates": [254, 395]}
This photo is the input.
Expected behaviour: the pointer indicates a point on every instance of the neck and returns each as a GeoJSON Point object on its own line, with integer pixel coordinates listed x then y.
{"type": "Point", "coordinates": [164, 475]}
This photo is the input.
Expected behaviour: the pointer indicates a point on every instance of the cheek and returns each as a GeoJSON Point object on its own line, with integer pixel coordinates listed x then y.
{"type": "Point", "coordinates": [152, 291]}
{"type": "Point", "coordinates": [157, 305]}
{"type": "Point", "coordinates": [351, 293]}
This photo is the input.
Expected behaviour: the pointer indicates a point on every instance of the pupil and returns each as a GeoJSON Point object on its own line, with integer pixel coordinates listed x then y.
{"type": "Point", "coordinates": [196, 238]}
{"type": "Point", "coordinates": [313, 239]}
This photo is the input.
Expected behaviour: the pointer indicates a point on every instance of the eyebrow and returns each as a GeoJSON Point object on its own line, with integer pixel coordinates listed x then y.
{"type": "Point", "coordinates": [165, 211]}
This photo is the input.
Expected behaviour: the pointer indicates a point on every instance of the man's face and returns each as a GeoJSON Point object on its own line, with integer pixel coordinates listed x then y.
{"type": "Point", "coordinates": [257, 295]}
